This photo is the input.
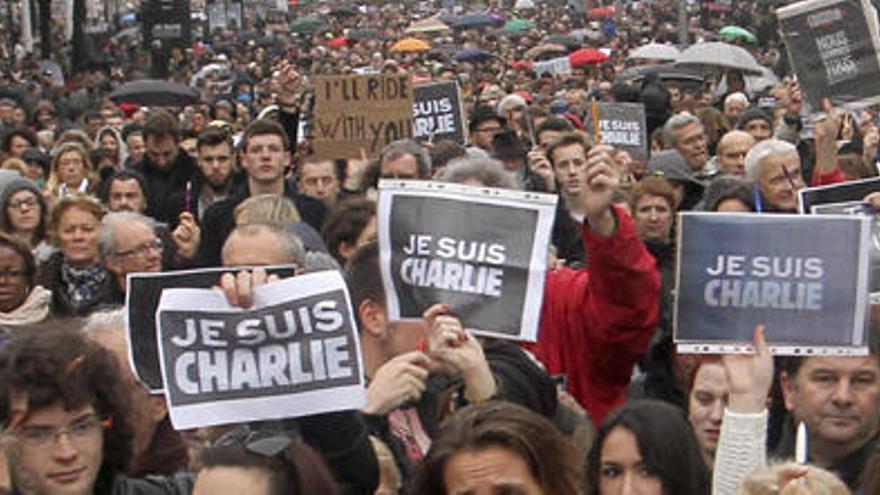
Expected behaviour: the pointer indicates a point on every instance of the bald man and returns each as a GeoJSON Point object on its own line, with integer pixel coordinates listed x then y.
{"type": "Point", "coordinates": [731, 153]}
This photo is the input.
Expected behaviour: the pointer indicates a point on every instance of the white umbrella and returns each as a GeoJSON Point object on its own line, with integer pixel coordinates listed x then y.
{"type": "Point", "coordinates": [655, 51]}
{"type": "Point", "coordinates": [430, 25]}
{"type": "Point", "coordinates": [717, 55]}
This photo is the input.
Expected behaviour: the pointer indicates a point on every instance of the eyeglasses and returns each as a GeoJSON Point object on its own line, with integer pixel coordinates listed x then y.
{"type": "Point", "coordinates": [16, 204]}
{"type": "Point", "coordinates": [143, 249]}
{"type": "Point", "coordinates": [263, 443]}
{"type": "Point", "coordinates": [12, 274]}
{"type": "Point", "coordinates": [79, 431]}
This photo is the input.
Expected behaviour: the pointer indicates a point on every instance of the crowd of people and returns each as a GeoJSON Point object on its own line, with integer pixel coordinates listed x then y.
{"type": "Point", "coordinates": [92, 190]}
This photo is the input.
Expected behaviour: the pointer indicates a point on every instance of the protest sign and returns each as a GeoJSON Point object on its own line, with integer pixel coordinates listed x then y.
{"type": "Point", "coordinates": [834, 48]}
{"type": "Point", "coordinates": [295, 352]}
{"type": "Point", "coordinates": [555, 66]}
{"type": "Point", "coordinates": [483, 251]}
{"type": "Point", "coordinates": [848, 191]}
{"type": "Point", "coordinates": [623, 126]}
{"type": "Point", "coordinates": [437, 112]}
{"type": "Point", "coordinates": [142, 294]}
{"type": "Point", "coordinates": [358, 113]}
{"type": "Point", "coordinates": [866, 210]}
{"type": "Point", "coordinates": [736, 271]}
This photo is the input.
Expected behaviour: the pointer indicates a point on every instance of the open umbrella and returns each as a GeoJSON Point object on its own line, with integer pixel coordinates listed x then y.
{"type": "Point", "coordinates": [666, 72]}
{"type": "Point", "coordinates": [733, 33]}
{"type": "Point", "coordinates": [344, 11]}
{"type": "Point", "coordinates": [431, 25]}
{"type": "Point", "coordinates": [338, 42]}
{"type": "Point", "coordinates": [518, 25]}
{"type": "Point", "coordinates": [410, 45]}
{"type": "Point", "coordinates": [306, 25]}
{"type": "Point", "coordinates": [473, 56]}
{"type": "Point", "coordinates": [655, 51]}
{"type": "Point", "coordinates": [546, 50]}
{"type": "Point", "coordinates": [474, 21]}
{"type": "Point", "coordinates": [716, 55]}
{"type": "Point", "coordinates": [362, 34]}
{"type": "Point", "coordinates": [569, 41]}
{"type": "Point", "coordinates": [586, 56]}
{"type": "Point", "coordinates": [156, 93]}
{"type": "Point", "coordinates": [601, 12]}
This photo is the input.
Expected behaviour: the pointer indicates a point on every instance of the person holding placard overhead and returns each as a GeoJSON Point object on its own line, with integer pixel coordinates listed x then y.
{"type": "Point", "coordinates": [612, 308]}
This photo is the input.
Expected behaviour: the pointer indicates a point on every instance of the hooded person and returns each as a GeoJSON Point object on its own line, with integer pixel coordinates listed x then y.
{"type": "Point", "coordinates": [756, 122]}
{"type": "Point", "coordinates": [672, 166]}
{"type": "Point", "coordinates": [24, 213]}
{"type": "Point", "coordinates": [110, 139]}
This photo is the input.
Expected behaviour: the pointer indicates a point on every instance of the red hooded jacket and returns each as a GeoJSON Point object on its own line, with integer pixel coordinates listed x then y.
{"type": "Point", "coordinates": [596, 322]}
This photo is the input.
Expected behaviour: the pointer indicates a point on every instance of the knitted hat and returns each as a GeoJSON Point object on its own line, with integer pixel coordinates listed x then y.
{"type": "Point", "coordinates": [751, 114]}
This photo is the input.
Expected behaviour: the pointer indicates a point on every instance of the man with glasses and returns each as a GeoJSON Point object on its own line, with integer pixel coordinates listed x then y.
{"type": "Point", "coordinates": [65, 414]}
{"type": "Point", "coordinates": [128, 244]}
{"type": "Point", "coordinates": [166, 169]}
{"type": "Point", "coordinates": [483, 126]}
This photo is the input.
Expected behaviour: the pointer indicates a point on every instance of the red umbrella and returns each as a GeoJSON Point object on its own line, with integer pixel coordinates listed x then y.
{"type": "Point", "coordinates": [522, 64]}
{"type": "Point", "coordinates": [601, 12]}
{"type": "Point", "coordinates": [338, 42]}
{"type": "Point", "coordinates": [586, 56]}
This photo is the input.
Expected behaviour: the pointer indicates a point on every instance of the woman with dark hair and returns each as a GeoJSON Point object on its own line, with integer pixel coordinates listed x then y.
{"type": "Point", "coordinates": [75, 275]}
{"type": "Point", "coordinates": [647, 446]}
{"type": "Point", "coordinates": [22, 301]}
{"type": "Point", "coordinates": [24, 216]}
{"type": "Point", "coordinates": [262, 463]}
{"type": "Point", "coordinates": [498, 446]}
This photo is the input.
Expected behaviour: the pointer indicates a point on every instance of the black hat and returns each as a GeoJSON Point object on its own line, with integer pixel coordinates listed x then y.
{"type": "Point", "coordinates": [482, 114]}
{"type": "Point", "coordinates": [751, 114]}
{"type": "Point", "coordinates": [35, 155]}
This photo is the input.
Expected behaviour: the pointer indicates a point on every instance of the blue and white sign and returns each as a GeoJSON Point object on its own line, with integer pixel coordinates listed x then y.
{"type": "Point", "coordinates": [805, 277]}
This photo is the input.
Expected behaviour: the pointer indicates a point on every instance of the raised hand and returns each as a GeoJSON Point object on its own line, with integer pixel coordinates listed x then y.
{"type": "Point", "coordinates": [398, 381]}
{"type": "Point", "coordinates": [750, 376]}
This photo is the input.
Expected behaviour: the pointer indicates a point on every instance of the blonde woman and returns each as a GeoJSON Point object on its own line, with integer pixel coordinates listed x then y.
{"type": "Point", "coordinates": [71, 171]}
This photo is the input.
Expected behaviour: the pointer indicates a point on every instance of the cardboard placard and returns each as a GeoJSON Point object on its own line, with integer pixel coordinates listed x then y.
{"type": "Point", "coordinates": [438, 113]}
{"type": "Point", "coordinates": [555, 66]}
{"type": "Point", "coordinates": [623, 126]}
{"type": "Point", "coordinates": [295, 352]}
{"type": "Point", "coordinates": [736, 271]}
{"type": "Point", "coordinates": [483, 251]}
{"type": "Point", "coordinates": [361, 113]}
{"type": "Point", "coordinates": [834, 47]}
{"type": "Point", "coordinates": [142, 294]}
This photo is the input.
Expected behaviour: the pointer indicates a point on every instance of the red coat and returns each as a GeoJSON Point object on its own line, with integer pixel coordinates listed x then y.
{"type": "Point", "coordinates": [595, 323]}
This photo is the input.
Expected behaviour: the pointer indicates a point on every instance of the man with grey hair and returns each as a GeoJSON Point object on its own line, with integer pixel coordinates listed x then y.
{"type": "Point", "coordinates": [128, 244]}
{"type": "Point", "coordinates": [476, 171]}
{"type": "Point", "coordinates": [775, 167]}
{"type": "Point", "coordinates": [262, 243]}
{"type": "Point", "coordinates": [685, 133]}
{"type": "Point", "coordinates": [404, 159]}
{"type": "Point", "coordinates": [734, 105]}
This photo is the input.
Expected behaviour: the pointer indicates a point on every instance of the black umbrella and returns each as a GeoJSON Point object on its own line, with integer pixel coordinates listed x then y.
{"type": "Point", "coordinates": [474, 21]}
{"type": "Point", "coordinates": [362, 34]}
{"type": "Point", "coordinates": [152, 92]}
{"type": "Point", "coordinates": [473, 56]}
{"type": "Point", "coordinates": [344, 11]}
{"type": "Point", "coordinates": [667, 72]}
{"type": "Point", "coordinates": [568, 41]}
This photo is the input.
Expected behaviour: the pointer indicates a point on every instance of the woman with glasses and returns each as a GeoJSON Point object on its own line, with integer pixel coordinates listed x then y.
{"type": "Point", "coordinates": [75, 275]}
{"type": "Point", "coordinates": [71, 172]}
{"type": "Point", "coordinates": [22, 301]}
{"type": "Point", "coordinates": [23, 216]}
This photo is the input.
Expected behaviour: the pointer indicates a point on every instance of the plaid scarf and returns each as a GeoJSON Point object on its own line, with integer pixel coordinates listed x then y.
{"type": "Point", "coordinates": [84, 285]}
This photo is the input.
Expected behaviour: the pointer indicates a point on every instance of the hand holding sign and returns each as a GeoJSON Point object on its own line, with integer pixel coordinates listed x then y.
{"type": "Point", "coordinates": [750, 376]}
{"type": "Point", "coordinates": [400, 380]}
{"type": "Point", "coordinates": [826, 131]}
{"type": "Point", "coordinates": [239, 288]}
{"type": "Point", "coordinates": [450, 343]}
{"type": "Point", "coordinates": [601, 180]}
{"type": "Point", "coordinates": [792, 100]}
{"type": "Point", "coordinates": [540, 166]}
